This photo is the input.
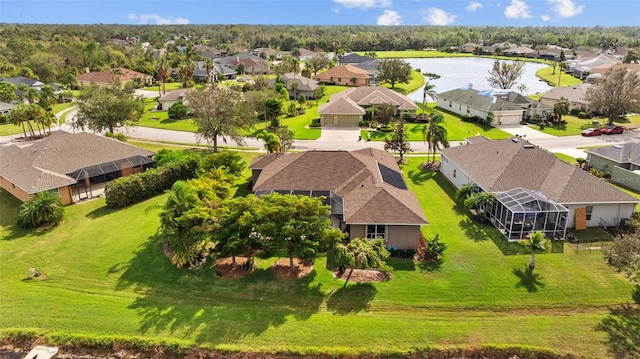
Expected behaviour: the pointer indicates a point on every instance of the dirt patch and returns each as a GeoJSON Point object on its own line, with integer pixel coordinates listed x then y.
{"type": "Point", "coordinates": [364, 275]}
{"type": "Point", "coordinates": [301, 268]}
{"type": "Point", "coordinates": [225, 268]}
{"type": "Point", "coordinates": [428, 166]}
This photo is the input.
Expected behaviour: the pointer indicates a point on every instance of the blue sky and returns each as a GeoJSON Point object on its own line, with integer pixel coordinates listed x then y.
{"type": "Point", "coordinates": [587, 13]}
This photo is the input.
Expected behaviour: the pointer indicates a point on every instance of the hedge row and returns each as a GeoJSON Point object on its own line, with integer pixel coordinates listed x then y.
{"type": "Point", "coordinates": [140, 186]}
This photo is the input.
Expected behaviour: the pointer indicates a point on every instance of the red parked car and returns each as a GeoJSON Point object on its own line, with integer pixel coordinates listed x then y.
{"type": "Point", "coordinates": [592, 132]}
{"type": "Point", "coordinates": [612, 130]}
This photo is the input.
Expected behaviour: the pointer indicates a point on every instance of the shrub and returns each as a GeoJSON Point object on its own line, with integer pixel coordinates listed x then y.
{"type": "Point", "coordinates": [140, 186]}
{"type": "Point", "coordinates": [574, 112]}
{"type": "Point", "coordinates": [177, 111]}
{"type": "Point", "coordinates": [4, 119]}
{"type": "Point", "coordinates": [394, 252]}
{"type": "Point", "coordinates": [226, 159]}
{"type": "Point", "coordinates": [315, 123]}
{"type": "Point", "coordinates": [43, 208]}
{"type": "Point", "coordinates": [407, 117]}
{"type": "Point", "coordinates": [584, 115]}
{"type": "Point", "coordinates": [165, 156]}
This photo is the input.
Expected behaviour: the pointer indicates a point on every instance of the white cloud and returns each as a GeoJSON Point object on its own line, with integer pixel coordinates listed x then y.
{"type": "Point", "coordinates": [566, 8]}
{"type": "Point", "coordinates": [545, 18]}
{"type": "Point", "coordinates": [157, 19]}
{"type": "Point", "coordinates": [363, 4]}
{"type": "Point", "coordinates": [473, 6]}
{"type": "Point", "coordinates": [389, 18]}
{"type": "Point", "coordinates": [517, 10]}
{"type": "Point", "coordinates": [435, 16]}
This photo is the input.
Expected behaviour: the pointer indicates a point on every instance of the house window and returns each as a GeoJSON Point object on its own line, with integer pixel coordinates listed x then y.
{"type": "Point", "coordinates": [454, 172]}
{"type": "Point", "coordinates": [339, 79]}
{"type": "Point", "coordinates": [589, 212]}
{"type": "Point", "coordinates": [376, 231]}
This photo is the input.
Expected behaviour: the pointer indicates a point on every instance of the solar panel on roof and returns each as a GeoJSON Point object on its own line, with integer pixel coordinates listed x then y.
{"type": "Point", "coordinates": [392, 177]}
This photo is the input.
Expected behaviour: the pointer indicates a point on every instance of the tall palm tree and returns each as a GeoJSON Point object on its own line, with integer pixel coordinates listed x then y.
{"type": "Point", "coordinates": [434, 133]}
{"type": "Point", "coordinates": [537, 241]}
{"type": "Point", "coordinates": [162, 70]}
{"type": "Point", "coordinates": [18, 117]}
{"type": "Point", "coordinates": [208, 67]}
{"type": "Point", "coordinates": [271, 141]}
{"type": "Point", "coordinates": [37, 114]}
{"type": "Point", "coordinates": [428, 90]}
{"type": "Point", "coordinates": [47, 97]}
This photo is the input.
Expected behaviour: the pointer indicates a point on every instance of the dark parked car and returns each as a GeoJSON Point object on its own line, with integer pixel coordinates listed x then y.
{"type": "Point", "coordinates": [612, 130]}
{"type": "Point", "coordinates": [592, 132]}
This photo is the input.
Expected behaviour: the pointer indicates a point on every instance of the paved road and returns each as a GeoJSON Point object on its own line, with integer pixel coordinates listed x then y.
{"type": "Point", "coordinates": [347, 139]}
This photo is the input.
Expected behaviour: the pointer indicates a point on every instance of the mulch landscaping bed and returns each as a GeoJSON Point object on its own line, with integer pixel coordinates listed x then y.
{"type": "Point", "coordinates": [364, 275]}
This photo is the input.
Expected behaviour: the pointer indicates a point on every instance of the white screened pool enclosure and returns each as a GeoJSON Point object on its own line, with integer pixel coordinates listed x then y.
{"type": "Point", "coordinates": [519, 211]}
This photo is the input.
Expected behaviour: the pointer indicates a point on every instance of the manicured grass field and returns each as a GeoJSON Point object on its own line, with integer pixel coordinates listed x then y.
{"type": "Point", "coordinates": [575, 125]}
{"type": "Point", "coordinates": [167, 86]}
{"type": "Point", "coordinates": [105, 274]}
{"type": "Point", "coordinates": [546, 74]}
{"type": "Point", "coordinates": [457, 130]}
{"type": "Point", "coordinates": [7, 129]}
{"type": "Point", "coordinates": [417, 80]}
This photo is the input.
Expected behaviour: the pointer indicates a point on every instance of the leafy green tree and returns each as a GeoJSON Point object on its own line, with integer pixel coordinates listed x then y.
{"type": "Point", "coordinates": [47, 97]}
{"type": "Point", "coordinates": [318, 62]}
{"type": "Point", "coordinates": [285, 135]}
{"type": "Point", "coordinates": [106, 108]}
{"type": "Point", "coordinates": [230, 161]}
{"type": "Point", "coordinates": [273, 110]}
{"type": "Point", "coordinates": [624, 254]}
{"type": "Point", "coordinates": [219, 112]}
{"type": "Point", "coordinates": [359, 254]}
{"type": "Point", "coordinates": [398, 140]}
{"type": "Point", "coordinates": [271, 141]}
{"type": "Point", "coordinates": [298, 224]}
{"type": "Point", "coordinates": [7, 92]}
{"type": "Point", "coordinates": [318, 93]}
{"type": "Point", "coordinates": [236, 232]}
{"type": "Point", "coordinates": [536, 241]}
{"type": "Point", "coordinates": [561, 107]}
{"type": "Point", "coordinates": [617, 92]}
{"type": "Point", "coordinates": [505, 74]}
{"type": "Point", "coordinates": [394, 71]}
{"type": "Point", "coordinates": [434, 133]}
{"type": "Point", "coordinates": [44, 208]}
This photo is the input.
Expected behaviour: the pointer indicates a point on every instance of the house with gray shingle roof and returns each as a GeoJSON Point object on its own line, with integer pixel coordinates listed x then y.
{"type": "Point", "coordinates": [171, 97]}
{"type": "Point", "coordinates": [365, 189]}
{"type": "Point", "coordinates": [305, 86]}
{"type": "Point", "coordinates": [70, 165]}
{"type": "Point", "coordinates": [5, 108]}
{"type": "Point", "coordinates": [622, 161]}
{"type": "Point", "coordinates": [505, 165]}
{"type": "Point", "coordinates": [508, 107]}
{"type": "Point", "coordinates": [576, 95]}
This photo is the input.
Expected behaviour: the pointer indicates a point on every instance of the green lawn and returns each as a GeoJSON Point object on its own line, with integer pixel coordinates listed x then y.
{"type": "Point", "coordinates": [7, 129]}
{"type": "Point", "coordinates": [167, 86]}
{"type": "Point", "coordinates": [457, 130]}
{"type": "Point", "coordinates": [417, 80]}
{"type": "Point", "coordinates": [575, 125]}
{"type": "Point", "coordinates": [546, 74]}
{"type": "Point", "coordinates": [102, 264]}
{"type": "Point", "coordinates": [566, 158]}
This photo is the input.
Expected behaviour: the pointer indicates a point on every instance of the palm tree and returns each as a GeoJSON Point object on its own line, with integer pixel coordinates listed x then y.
{"type": "Point", "coordinates": [465, 191]}
{"type": "Point", "coordinates": [47, 97]}
{"type": "Point", "coordinates": [428, 90]}
{"type": "Point", "coordinates": [208, 67]}
{"type": "Point", "coordinates": [434, 133]}
{"type": "Point", "coordinates": [18, 117]}
{"type": "Point", "coordinates": [67, 80]}
{"type": "Point", "coordinates": [271, 141]}
{"type": "Point", "coordinates": [186, 73]}
{"type": "Point", "coordinates": [162, 70]}
{"type": "Point", "coordinates": [480, 201]}
{"type": "Point", "coordinates": [536, 241]}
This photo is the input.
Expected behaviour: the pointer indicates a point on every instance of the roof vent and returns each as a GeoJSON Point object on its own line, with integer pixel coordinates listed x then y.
{"type": "Point", "coordinates": [529, 146]}
{"type": "Point", "coordinates": [514, 140]}
{"type": "Point", "coordinates": [617, 146]}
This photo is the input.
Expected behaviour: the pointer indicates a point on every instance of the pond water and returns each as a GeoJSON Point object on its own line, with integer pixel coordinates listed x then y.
{"type": "Point", "coordinates": [460, 72]}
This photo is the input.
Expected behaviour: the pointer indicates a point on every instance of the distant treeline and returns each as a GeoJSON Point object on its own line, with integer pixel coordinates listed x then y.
{"type": "Point", "coordinates": [50, 52]}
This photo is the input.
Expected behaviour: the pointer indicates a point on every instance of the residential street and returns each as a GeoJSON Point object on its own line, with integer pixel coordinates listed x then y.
{"type": "Point", "coordinates": [347, 139]}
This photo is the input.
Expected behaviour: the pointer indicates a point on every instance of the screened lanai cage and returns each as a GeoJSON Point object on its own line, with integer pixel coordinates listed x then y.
{"type": "Point", "coordinates": [92, 176]}
{"type": "Point", "coordinates": [519, 211]}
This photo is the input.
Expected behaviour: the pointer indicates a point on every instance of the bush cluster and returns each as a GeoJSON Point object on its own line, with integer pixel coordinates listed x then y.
{"type": "Point", "coordinates": [135, 188]}
{"type": "Point", "coordinates": [177, 111]}
{"type": "Point", "coordinates": [472, 119]}
{"type": "Point", "coordinates": [394, 252]}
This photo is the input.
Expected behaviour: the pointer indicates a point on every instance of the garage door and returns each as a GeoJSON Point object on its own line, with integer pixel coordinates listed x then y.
{"type": "Point", "coordinates": [347, 121]}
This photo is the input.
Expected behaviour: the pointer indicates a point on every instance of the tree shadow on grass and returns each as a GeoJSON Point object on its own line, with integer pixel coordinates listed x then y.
{"type": "Point", "coordinates": [473, 229]}
{"type": "Point", "coordinates": [100, 212]}
{"type": "Point", "coordinates": [622, 328]}
{"type": "Point", "coordinates": [430, 266]}
{"type": "Point", "coordinates": [419, 176]}
{"type": "Point", "coordinates": [528, 280]}
{"type": "Point", "coordinates": [402, 264]}
{"type": "Point", "coordinates": [351, 299]}
{"type": "Point", "coordinates": [195, 305]}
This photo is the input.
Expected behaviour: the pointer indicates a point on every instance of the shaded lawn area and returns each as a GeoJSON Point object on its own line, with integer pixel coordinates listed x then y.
{"type": "Point", "coordinates": [457, 130]}
{"type": "Point", "coordinates": [547, 75]}
{"type": "Point", "coordinates": [167, 86]}
{"type": "Point", "coordinates": [575, 125]}
{"type": "Point", "coordinates": [475, 295]}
